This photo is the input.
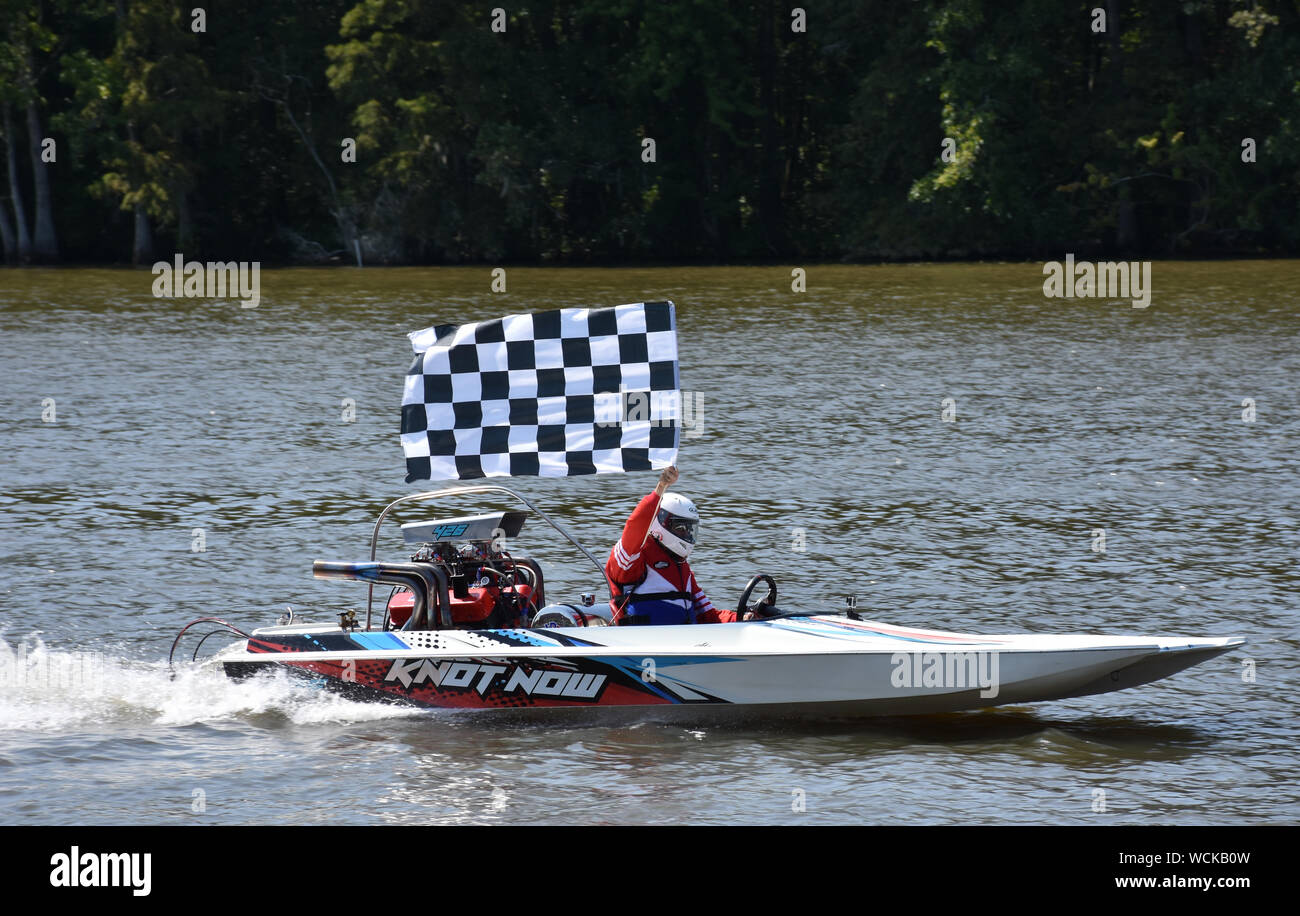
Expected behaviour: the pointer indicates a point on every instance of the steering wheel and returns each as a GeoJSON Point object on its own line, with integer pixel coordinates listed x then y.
{"type": "Point", "coordinates": [764, 606]}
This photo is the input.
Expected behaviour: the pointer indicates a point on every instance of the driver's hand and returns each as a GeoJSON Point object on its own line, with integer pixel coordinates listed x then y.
{"type": "Point", "coordinates": [749, 615]}
{"type": "Point", "coordinates": [668, 477]}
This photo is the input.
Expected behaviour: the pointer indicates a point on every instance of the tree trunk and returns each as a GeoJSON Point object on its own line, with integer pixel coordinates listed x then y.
{"type": "Point", "coordinates": [16, 193]}
{"type": "Point", "coordinates": [1117, 87]}
{"type": "Point", "coordinates": [769, 190]}
{"type": "Point", "coordinates": [7, 237]}
{"type": "Point", "coordinates": [184, 225]}
{"type": "Point", "coordinates": [1127, 231]}
{"type": "Point", "coordinates": [45, 244]}
{"type": "Point", "coordinates": [142, 245]}
{"type": "Point", "coordinates": [347, 228]}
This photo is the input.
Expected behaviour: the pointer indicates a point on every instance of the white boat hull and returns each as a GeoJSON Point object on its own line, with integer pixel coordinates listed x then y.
{"type": "Point", "coordinates": [826, 665]}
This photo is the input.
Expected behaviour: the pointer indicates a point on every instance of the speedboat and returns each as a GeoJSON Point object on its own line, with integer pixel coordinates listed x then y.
{"type": "Point", "coordinates": [467, 626]}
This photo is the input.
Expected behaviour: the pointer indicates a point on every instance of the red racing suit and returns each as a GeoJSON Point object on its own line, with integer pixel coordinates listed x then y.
{"type": "Point", "coordinates": [663, 589]}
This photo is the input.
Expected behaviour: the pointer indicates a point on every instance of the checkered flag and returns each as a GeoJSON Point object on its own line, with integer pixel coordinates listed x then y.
{"type": "Point", "coordinates": [549, 394]}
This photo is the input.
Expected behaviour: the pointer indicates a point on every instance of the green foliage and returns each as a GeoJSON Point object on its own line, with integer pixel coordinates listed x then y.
{"type": "Point", "coordinates": [526, 145]}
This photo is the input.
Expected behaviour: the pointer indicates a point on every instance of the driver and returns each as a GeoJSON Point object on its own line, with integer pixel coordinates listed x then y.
{"type": "Point", "coordinates": [648, 569]}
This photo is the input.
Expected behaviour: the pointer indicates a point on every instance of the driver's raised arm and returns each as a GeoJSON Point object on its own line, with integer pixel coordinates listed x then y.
{"type": "Point", "coordinates": [625, 564]}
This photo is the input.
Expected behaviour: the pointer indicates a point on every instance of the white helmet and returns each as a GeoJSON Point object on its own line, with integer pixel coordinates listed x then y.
{"type": "Point", "coordinates": [676, 525]}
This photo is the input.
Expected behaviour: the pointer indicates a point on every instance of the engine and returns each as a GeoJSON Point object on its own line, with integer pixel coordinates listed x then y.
{"type": "Point", "coordinates": [488, 588]}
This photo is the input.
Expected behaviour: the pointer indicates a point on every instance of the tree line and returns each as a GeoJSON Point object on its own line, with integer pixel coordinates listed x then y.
{"type": "Point", "coordinates": [616, 131]}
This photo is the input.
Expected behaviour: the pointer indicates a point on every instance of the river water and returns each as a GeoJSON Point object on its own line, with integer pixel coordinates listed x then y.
{"type": "Point", "coordinates": [949, 446]}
